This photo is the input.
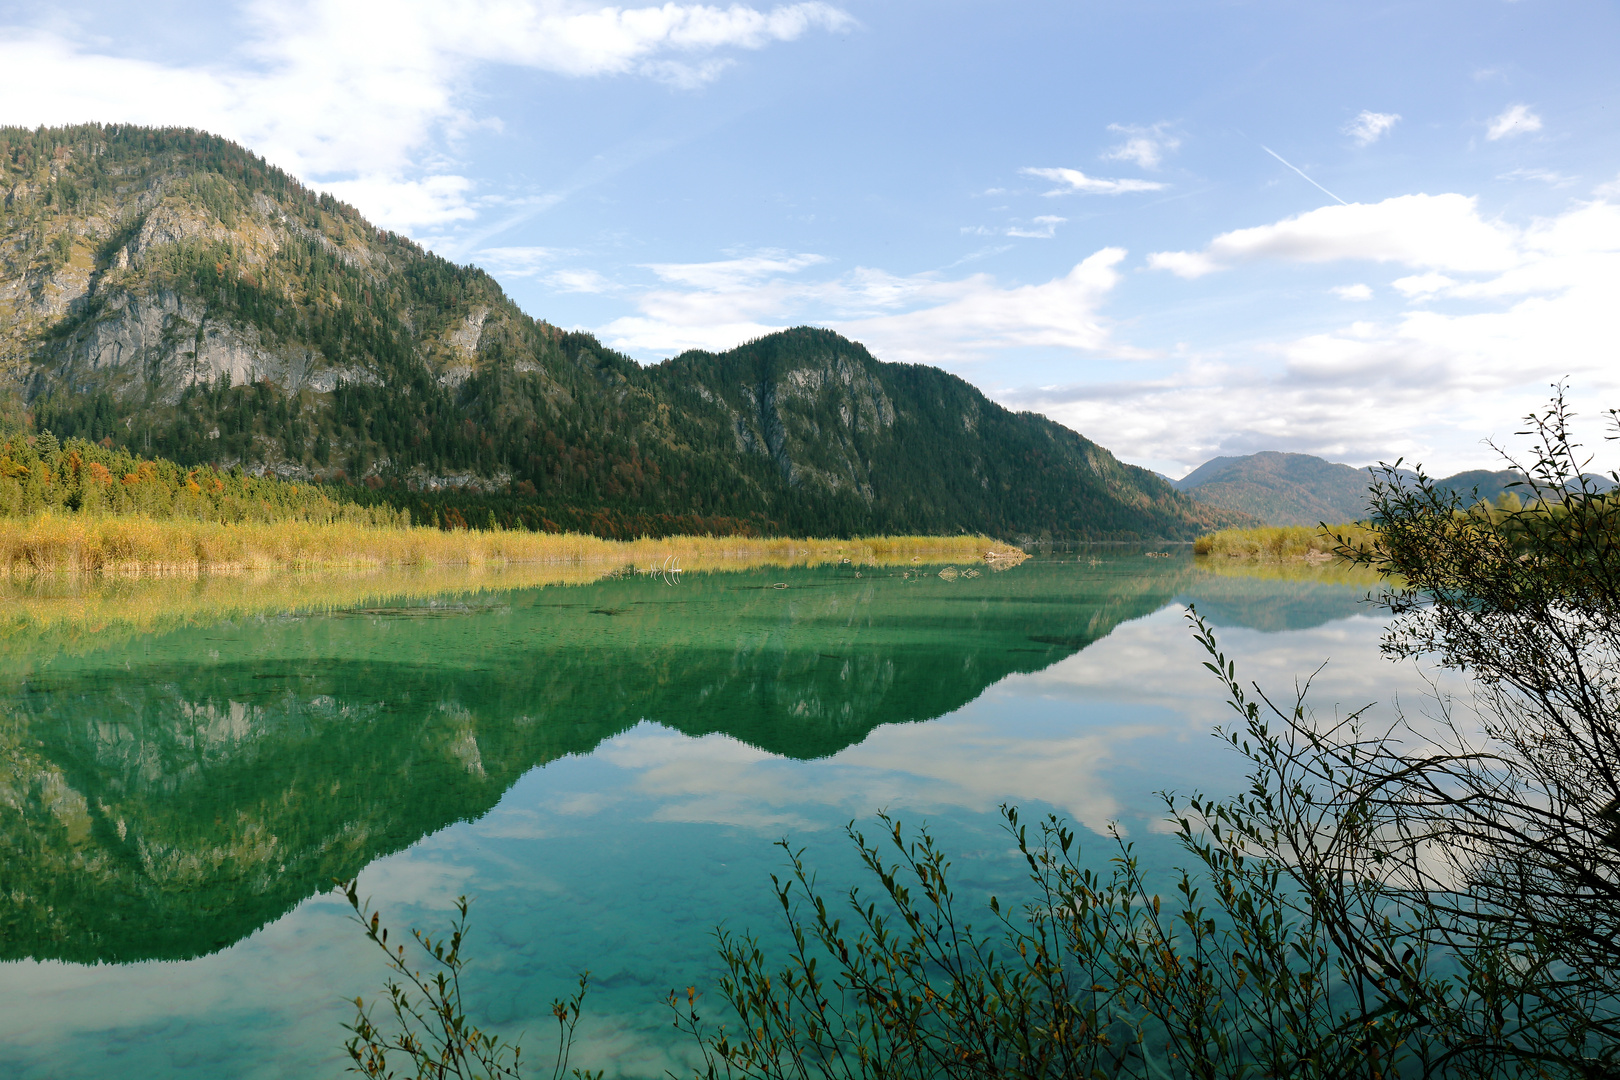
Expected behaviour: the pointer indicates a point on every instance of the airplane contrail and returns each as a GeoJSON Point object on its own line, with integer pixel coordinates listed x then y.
{"type": "Point", "coordinates": [1319, 187]}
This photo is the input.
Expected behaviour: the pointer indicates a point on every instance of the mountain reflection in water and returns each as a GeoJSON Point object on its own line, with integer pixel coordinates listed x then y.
{"type": "Point", "coordinates": [165, 796]}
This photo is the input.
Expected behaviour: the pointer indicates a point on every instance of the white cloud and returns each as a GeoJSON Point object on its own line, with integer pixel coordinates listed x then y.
{"type": "Point", "coordinates": [975, 316]}
{"type": "Point", "coordinates": [1038, 228]}
{"type": "Point", "coordinates": [1514, 120]}
{"type": "Point", "coordinates": [1146, 146]}
{"type": "Point", "coordinates": [1073, 181]}
{"type": "Point", "coordinates": [1425, 384]}
{"type": "Point", "coordinates": [917, 318]}
{"type": "Point", "coordinates": [1440, 231]}
{"type": "Point", "coordinates": [407, 205]}
{"type": "Point", "coordinates": [1353, 292]}
{"type": "Point", "coordinates": [1422, 285]}
{"type": "Point", "coordinates": [1551, 177]}
{"type": "Point", "coordinates": [518, 261]}
{"type": "Point", "coordinates": [1041, 228]}
{"type": "Point", "coordinates": [1368, 127]}
{"type": "Point", "coordinates": [1187, 264]}
{"type": "Point", "coordinates": [356, 91]}
{"type": "Point", "coordinates": [1608, 190]}
{"type": "Point", "coordinates": [734, 273]}
{"type": "Point", "coordinates": [580, 281]}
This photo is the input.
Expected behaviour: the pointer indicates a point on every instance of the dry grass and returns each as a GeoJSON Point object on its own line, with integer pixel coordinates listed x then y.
{"type": "Point", "coordinates": [1281, 543]}
{"type": "Point", "coordinates": [44, 612]}
{"type": "Point", "coordinates": [77, 543]}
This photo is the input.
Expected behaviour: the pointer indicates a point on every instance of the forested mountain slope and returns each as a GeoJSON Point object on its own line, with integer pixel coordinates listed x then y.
{"type": "Point", "coordinates": [169, 292]}
{"type": "Point", "coordinates": [1281, 489]}
{"type": "Point", "coordinates": [1298, 489]}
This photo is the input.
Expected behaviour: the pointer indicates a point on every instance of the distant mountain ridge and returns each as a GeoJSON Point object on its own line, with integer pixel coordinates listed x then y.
{"type": "Point", "coordinates": [1281, 489]}
{"type": "Point", "coordinates": [1300, 489]}
{"type": "Point", "coordinates": [167, 291]}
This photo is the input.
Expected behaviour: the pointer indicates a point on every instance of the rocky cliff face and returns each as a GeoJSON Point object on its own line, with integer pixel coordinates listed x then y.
{"type": "Point", "coordinates": [169, 291]}
{"type": "Point", "coordinates": [98, 303]}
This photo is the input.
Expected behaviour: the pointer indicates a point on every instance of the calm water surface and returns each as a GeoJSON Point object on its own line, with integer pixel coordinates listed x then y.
{"type": "Point", "coordinates": [602, 768]}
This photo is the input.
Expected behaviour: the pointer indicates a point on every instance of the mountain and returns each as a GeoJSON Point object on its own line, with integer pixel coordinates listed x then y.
{"type": "Point", "coordinates": [169, 292]}
{"type": "Point", "coordinates": [1476, 484]}
{"type": "Point", "coordinates": [1281, 489]}
{"type": "Point", "coordinates": [1298, 489]}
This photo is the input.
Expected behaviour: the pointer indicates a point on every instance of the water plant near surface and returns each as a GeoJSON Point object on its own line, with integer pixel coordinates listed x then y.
{"type": "Point", "coordinates": [430, 1029]}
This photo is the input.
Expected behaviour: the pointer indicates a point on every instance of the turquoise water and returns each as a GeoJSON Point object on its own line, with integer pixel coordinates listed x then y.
{"type": "Point", "coordinates": [603, 769]}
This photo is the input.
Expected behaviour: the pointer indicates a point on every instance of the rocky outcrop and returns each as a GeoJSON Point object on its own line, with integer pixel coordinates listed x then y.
{"type": "Point", "coordinates": [159, 343]}
{"type": "Point", "coordinates": [811, 418]}
{"type": "Point", "coordinates": [461, 345]}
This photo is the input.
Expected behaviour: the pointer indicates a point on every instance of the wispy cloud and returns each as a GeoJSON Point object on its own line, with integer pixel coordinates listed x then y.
{"type": "Point", "coordinates": [519, 261]}
{"type": "Point", "coordinates": [1417, 286]}
{"type": "Point", "coordinates": [1514, 120]}
{"type": "Point", "coordinates": [358, 93]}
{"type": "Point", "coordinates": [1073, 181]}
{"type": "Point", "coordinates": [1357, 291]}
{"type": "Point", "coordinates": [429, 202]}
{"type": "Point", "coordinates": [1440, 231]}
{"type": "Point", "coordinates": [580, 281]}
{"type": "Point", "coordinates": [1368, 127]}
{"type": "Point", "coordinates": [921, 317]}
{"type": "Point", "coordinates": [1526, 305]}
{"type": "Point", "coordinates": [1550, 177]}
{"type": "Point", "coordinates": [735, 273]}
{"type": "Point", "coordinates": [1146, 146]}
{"type": "Point", "coordinates": [1041, 228]}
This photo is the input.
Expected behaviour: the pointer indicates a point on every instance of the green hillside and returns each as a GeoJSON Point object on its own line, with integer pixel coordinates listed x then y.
{"type": "Point", "coordinates": [1298, 489]}
{"type": "Point", "coordinates": [167, 293]}
{"type": "Point", "coordinates": [1281, 489]}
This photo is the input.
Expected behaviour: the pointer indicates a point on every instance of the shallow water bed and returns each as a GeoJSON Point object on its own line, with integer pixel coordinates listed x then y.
{"type": "Point", "coordinates": [602, 767]}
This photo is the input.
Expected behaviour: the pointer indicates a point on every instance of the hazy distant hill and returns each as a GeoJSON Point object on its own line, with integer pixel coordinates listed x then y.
{"type": "Point", "coordinates": [168, 291]}
{"type": "Point", "coordinates": [1486, 484]}
{"type": "Point", "coordinates": [1298, 489]}
{"type": "Point", "coordinates": [1281, 489]}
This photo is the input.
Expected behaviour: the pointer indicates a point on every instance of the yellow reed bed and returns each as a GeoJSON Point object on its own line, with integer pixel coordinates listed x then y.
{"type": "Point", "coordinates": [42, 614]}
{"type": "Point", "coordinates": [77, 543]}
{"type": "Point", "coordinates": [1311, 543]}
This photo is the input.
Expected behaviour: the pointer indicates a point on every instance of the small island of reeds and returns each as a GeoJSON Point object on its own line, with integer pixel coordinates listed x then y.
{"type": "Point", "coordinates": [1283, 543]}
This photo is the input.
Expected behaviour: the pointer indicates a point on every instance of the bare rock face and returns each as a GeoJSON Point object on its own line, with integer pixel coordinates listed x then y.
{"type": "Point", "coordinates": [811, 419]}
{"type": "Point", "coordinates": [141, 341]}
{"type": "Point", "coordinates": [154, 345]}
{"type": "Point", "coordinates": [172, 222]}
{"type": "Point", "coordinates": [461, 345]}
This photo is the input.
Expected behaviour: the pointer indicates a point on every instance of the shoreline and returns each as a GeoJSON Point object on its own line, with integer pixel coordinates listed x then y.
{"type": "Point", "coordinates": [130, 546]}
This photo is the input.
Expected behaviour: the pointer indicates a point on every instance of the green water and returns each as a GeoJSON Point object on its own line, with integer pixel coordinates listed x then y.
{"type": "Point", "coordinates": [603, 768]}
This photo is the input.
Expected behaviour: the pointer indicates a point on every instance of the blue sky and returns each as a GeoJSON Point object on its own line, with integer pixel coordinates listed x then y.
{"type": "Point", "coordinates": [1185, 229]}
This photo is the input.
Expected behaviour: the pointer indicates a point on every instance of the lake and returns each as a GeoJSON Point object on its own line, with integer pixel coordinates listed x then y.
{"type": "Point", "coordinates": [602, 768]}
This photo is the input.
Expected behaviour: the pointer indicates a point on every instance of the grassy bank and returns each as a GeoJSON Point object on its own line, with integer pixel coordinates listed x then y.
{"type": "Point", "coordinates": [77, 543]}
{"type": "Point", "coordinates": [1280, 542]}
{"type": "Point", "coordinates": [45, 614]}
